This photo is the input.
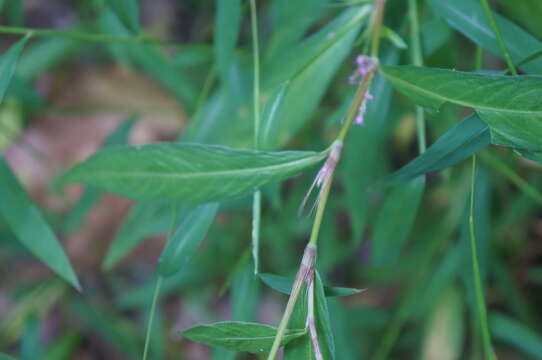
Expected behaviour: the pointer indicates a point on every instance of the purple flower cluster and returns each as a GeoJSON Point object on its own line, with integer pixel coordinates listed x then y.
{"type": "Point", "coordinates": [364, 64]}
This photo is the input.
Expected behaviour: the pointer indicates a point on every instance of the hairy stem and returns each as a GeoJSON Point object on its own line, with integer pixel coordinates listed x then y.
{"type": "Point", "coordinates": [311, 320]}
{"type": "Point", "coordinates": [305, 270]}
{"type": "Point", "coordinates": [377, 26]}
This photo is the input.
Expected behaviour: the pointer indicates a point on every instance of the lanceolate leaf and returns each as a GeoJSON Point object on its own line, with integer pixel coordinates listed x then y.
{"type": "Point", "coordinates": [309, 67]}
{"type": "Point", "coordinates": [467, 17]}
{"type": "Point", "coordinates": [186, 240]}
{"type": "Point", "coordinates": [510, 105]}
{"type": "Point", "coordinates": [226, 31]}
{"type": "Point", "coordinates": [395, 220]}
{"type": "Point", "coordinates": [466, 138]}
{"type": "Point", "coordinates": [239, 336]}
{"type": "Point", "coordinates": [284, 285]}
{"type": "Point", "coordinates": [8, 62]}
{"type": "Point", "coordinates": [29, 227]}
{"type": "Point", "coordinates": [517, 334]}
{"type": "Point", "coordinates": [191, 173]}
{"type": "Point", "coordinates": [141, 221]}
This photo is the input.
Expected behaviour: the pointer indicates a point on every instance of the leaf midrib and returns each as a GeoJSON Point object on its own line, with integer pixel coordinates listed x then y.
{"type": "Point", "coordinates": [269, 337]}
{"type": "Point", "coordinates": [459, 102]}
{"type": "Point", "coordinates": [196, 175]}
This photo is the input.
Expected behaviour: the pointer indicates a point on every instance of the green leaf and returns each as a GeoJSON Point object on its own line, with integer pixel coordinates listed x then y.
{"type": "Point", "coordinates": [226, 32]}
{"type": "Point", "coordinates": [8, 63]}
{"type": "Point", "coordinates": [193, 55]}
{"type": "Point", "coordinates": [359, 172]}
{"type": "Point", "coordinates": [29, 227]}
{"type": "Point", "coordinates": [309, 67]}
{"type": "Point", "coordinates": [142, 220]}
{"type": "Point", "coordinates": [270, 114]}
{"type": "Point", "coordinates": [395, 38]}
{"type": "Point", "coordinates": [192, 173]}
{"type": "Point", "coordinates": [284, 285]}
{"type": "Point", "coordinates": [149, 59]}
{"type": "Point", "coordinates": [510, 105]}
{"type": "Point", "coordinates": [186, 240]}
{"type": "Point", "coordinates": [513, 332]}
{"type": "Point", "coordinates": [6, 357]}
{"type": "Point", "coordinates": [302, 348]}
{"type": "Point", "coordinates": [31, 346]}
{"type": "Point", "coordinates": [466, 138]}
{"type": "Point", "coordinates": [467, 16]}
{"type": "Point", "coordinates": [395, 220]}
{"type": "Point", "coordinates": [291, 20]}
{"type": "Point", "coordinates": [128, 13]}
{"type": "Point", "coordinates": [239, 336]}
{"type": "Point", "coordinates": [91, 195]}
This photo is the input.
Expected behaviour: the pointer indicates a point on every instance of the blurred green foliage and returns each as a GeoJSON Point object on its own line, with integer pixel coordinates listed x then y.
{"type": "Point", "coordinates": [405, 243]}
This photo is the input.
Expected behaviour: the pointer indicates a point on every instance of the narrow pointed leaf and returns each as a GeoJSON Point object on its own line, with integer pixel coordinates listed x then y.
{"type": "Point", "coordinates": [239, 336]}
{"type": "Point", "coordinates": [284, 285]}
{"type": "Point", "coordinates": [467, 17]}
{"type": "Point", "coordinates": [395, 220]}
{"type": "Point", "coordinates": [510, 331]}
{"type": "Point", "coordinates": [140, 222]}
{"type": "Point", "coordinates": [8, 62]}
{"type": "Point", "coordinates": [192, 173]}
{"type": "Point", "coordinates": [29, 227]}
{"type": "Point", "coordinates": [309, 67]}
{"type": "Point", "coordinates": [270, 114]}
{"type": "Point", "coordinates": [226, 32]}
{"type": "Point", "coordinates": [186, 240]}
{"type": "Point", "coordinates": [510, 105]}
{"type": "Point", "coordinates": [466, 138]}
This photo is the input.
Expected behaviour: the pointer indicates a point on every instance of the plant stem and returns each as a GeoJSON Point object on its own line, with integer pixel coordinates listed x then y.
{"type": "Point", "coordinates": [256, 216]}
{"type": "Point", "coordinates": [256, 59]}
{"type": "Point", "coordinates": [480, 302]}
{"type": "Point", "coordinates": [498, 36]}
{"type": "Point", "coordinates": [257, 197]}
{"type": "Point", "coordinates": [83, 36]}
{"type": "Point", "coordinates": [151, 316]}
{"type": "Point", "coordinates": [356, 102]}
{"type": "Point", "coordinates": [174, 215]}
{"type": "Point", "coordinates": [306, 269]}
{"type": "Point", "coordinates": [377, 26]}
{"type": "Point", "coordinates": [478, 58]}
{"type": "Point", "coordinates": [309, 256]}
{"type": "Point", "coordinates": [416, 55]}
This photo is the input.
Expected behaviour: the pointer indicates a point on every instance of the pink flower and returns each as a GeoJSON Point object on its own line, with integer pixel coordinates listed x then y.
{"type": "Point", "coordinates": [364, 64]}
{"type": "Point", "coordinates": [360, 117]}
